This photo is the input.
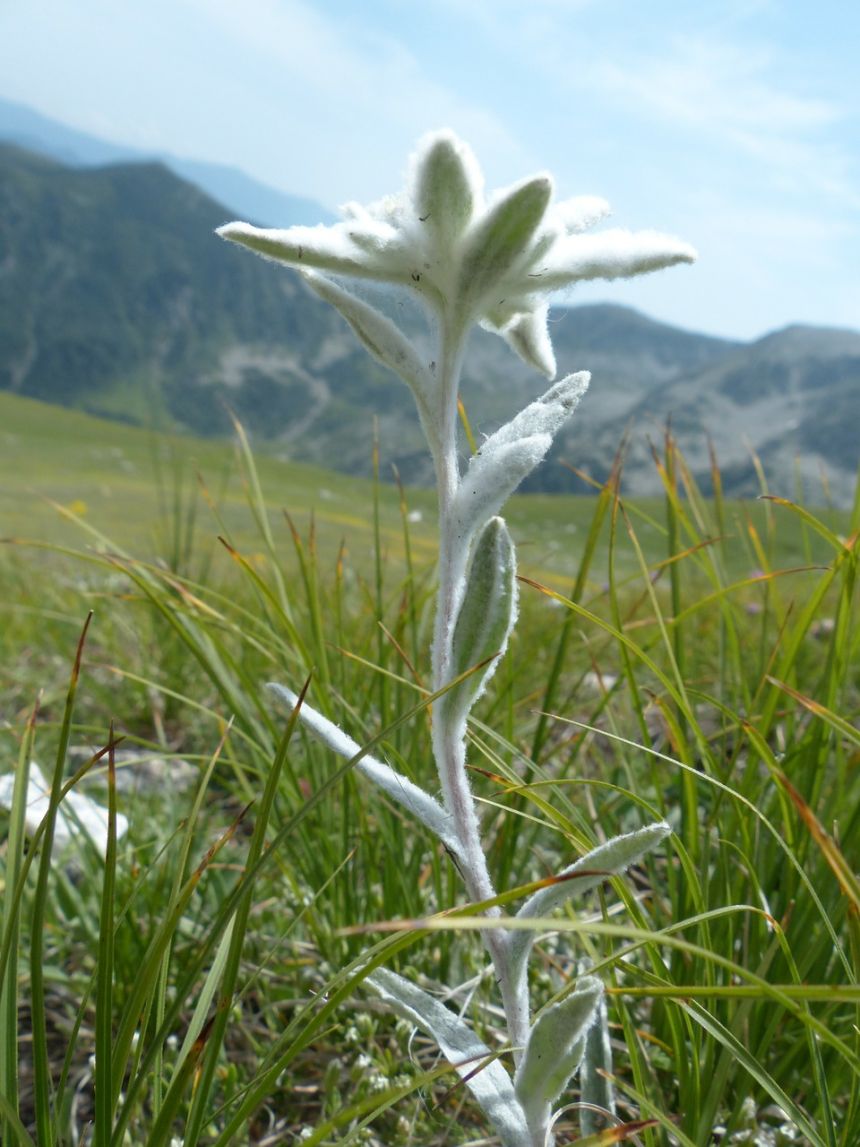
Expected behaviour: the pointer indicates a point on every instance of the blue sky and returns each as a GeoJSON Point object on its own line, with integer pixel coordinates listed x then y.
{"type": "Point", "coordinates": [734, 125]}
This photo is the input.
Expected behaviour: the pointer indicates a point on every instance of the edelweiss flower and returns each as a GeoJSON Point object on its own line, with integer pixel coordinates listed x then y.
{"type": "Point", "coordinates": [471, 260]}
{"type": "Point", "coordinates": [491, 262]}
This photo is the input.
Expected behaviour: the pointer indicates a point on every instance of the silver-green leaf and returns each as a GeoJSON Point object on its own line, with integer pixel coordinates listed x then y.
{"type": "Point", "coordinates": [490, 481]}
{"type": "Point", "coordinates": [595, 1086]}
{"type": "Point", "coordinates": [399, 788]}
{"type": "Point", "coordinates": [489, 1083]}
{"type": "Point", "coordinates": [502, 237]}
{"type": "Point", "coordinates": [555, 1048]}
{"type": "Point", "coordinates": [510, 455]}
{"type": "Point", "coordinates": [487, 612]}
{"type": "Point", "coordinates": [445, 184]}
{"type": "Point", "coordinates": [377, 333]}
{"type": "Point", "coordinates": [586, 873]}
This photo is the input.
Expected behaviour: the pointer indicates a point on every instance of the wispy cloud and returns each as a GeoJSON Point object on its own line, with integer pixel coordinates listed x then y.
{"type": "Point", "coordinates": [718, 77]}
{"type": "Point", "coordinates": [353, 76]}
{"type": "Point", "coordinates": [717, 86]}
{"type": "Point", "coordinates": [730, 93]}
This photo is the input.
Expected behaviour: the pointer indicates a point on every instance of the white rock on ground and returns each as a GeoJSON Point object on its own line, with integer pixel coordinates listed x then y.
{"type": "Point", "coordinates": [76, 813]}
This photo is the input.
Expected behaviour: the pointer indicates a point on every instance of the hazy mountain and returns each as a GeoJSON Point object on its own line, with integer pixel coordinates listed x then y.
{"type": "Point", "coordinates": [247, 198]}
{"type": "Point", "coordinates": [792, 397]}
{"type": "Point", "coordinates": [116, 297]}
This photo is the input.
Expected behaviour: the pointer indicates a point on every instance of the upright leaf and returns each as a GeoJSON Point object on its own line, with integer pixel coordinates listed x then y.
{"type": "Point", "coordinates": [447, 182]}
{"type": "Point", "coordinates": [555, 1049]}
{"type": "Point", "coordinates": [487, 613]}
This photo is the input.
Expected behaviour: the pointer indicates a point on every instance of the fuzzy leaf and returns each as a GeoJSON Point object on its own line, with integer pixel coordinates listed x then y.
{"type": "Point", "coordinates": [502, 236]}
{"type": "Point", "coordinates": [446, 182]}
{"type": "Point", "coordinates": [377, 333]}
{"type": "Point", "coordinates": [605, 860]}
{"type": "Point", "coordinates": [596, 1089]}
{"type": "Point", "coordinates": [321, 248]}
{"type": "Point", "coordinates": [555, 1048]}
{"type": "Point", "coordinates": [528, 336]}
{"type": "Point", "coordinates": [491, 1085]}
{"type": "Point", "coordinates": [510, 455]}
{"type": "Point", "coordinates": [614, 254]}
{"type": "Point", "coordinates": [487, 613]}
{"type": "Point", "coordinates": [489, 482]}
{"type": "Point", "coordinates": [422, 806]}
{"type": "Point", "coordinates": [596, 866]}
{"type": "Point", "coordinates": [546, 415]}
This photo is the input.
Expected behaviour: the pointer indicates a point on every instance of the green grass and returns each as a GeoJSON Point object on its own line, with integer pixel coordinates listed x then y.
{"type": "Point", "coordinates": [138, 489]}
{"type": "Point", "coordinates": [698, 660]}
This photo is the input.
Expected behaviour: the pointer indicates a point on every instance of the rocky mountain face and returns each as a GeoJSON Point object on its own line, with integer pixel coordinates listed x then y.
{"type": "Point", "coordinates": [792, 398]}
{"type": "Point", "coordinates": [116, 297]}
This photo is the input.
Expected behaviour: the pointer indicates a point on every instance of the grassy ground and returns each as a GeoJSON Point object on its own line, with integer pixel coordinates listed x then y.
{"type": "Point", "coordinates": [688, 658]}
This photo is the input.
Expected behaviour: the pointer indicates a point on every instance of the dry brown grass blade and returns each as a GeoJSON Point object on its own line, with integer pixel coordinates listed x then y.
{"type": "Point", "coordinates": [830, 850]}
{"type": "Point", "coordinates": [616, 1134]}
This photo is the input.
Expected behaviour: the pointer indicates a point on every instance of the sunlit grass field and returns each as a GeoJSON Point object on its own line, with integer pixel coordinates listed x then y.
{"type": "Point", "coordinates": [200, 981]}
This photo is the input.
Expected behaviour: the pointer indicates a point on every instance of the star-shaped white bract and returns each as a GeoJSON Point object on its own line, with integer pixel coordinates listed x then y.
{"type": "Point", "coordinates": [493, 261]}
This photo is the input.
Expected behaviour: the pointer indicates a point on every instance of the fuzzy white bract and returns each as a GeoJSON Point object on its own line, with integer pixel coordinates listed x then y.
{"type": "Point", "coordinates": [489, 260]}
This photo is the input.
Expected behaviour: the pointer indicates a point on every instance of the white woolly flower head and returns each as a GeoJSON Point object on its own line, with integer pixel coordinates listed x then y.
{"type": "Point", "coordinates": [472, 259]}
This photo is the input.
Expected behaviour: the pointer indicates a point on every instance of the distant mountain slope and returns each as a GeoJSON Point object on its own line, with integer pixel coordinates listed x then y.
{"type": "Point", "coordinates": [247, 198]}
{"type": "Point", "coordinates": [792, 397]}
{"type": "Point", "coordinates": [116, 297]}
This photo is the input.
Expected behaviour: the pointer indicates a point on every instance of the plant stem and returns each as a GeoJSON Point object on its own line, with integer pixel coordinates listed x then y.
{"type": "Point", "coordinates": [448, 733]}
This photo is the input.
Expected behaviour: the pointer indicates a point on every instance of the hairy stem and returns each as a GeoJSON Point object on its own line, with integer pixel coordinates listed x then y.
{"type": "Point", "coordinates": [449, 742]}
{"type": "Point", "coordinates": [449, 735]}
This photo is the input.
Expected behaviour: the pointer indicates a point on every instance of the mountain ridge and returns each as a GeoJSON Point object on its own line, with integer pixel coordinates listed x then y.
{"type": "Point", "coordinates": [246, 196]}
{"type": "Point", "coordinates": [116, 298]}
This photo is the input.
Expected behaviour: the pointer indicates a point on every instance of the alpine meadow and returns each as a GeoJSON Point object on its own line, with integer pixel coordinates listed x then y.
{"type": "Point", "coordinates": [336, 809]}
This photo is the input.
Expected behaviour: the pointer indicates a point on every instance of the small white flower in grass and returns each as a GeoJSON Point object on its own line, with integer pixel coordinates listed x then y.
{"type": "Point", "coordinates": [492, 261]}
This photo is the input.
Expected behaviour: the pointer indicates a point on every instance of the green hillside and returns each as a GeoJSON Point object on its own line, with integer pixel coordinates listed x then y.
{"type": "Point", "coordinates": [65, 473]}
{"type": "Point", "coordinates": [126, 483]}
{"type": "Point", "coordinates": [117, 299]}
{"type": "Point", "coordinates": [59, 465]}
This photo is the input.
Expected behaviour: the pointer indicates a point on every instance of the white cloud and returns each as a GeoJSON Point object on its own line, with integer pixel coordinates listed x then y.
{"type": "Point", "coordinates": [728, 93]}
{"type": "Point", "coordinates": [717, 86]}
{"type": "Point", "coordinates": [366, 89]}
